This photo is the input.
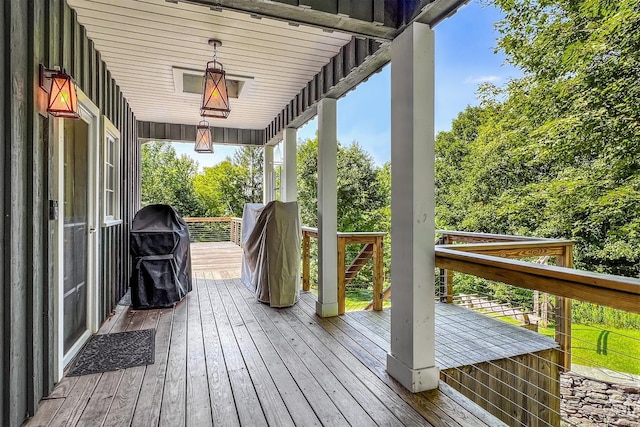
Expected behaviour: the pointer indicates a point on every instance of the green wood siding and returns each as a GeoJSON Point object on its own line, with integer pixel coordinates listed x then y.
{"type": "Point", "coordinates": [32, 33]}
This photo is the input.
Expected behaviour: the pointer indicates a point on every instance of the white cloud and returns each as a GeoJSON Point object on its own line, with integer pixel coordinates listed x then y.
{"type": "Point", "coordinates": [483, 79]}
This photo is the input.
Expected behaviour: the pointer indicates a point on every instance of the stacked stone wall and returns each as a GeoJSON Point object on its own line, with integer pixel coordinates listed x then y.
{"type": "Point", "coordinates": [589, 402]}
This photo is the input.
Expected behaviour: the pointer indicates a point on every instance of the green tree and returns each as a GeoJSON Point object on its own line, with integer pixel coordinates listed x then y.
{"type": "Point", "coordinates": [249, 161]}
{"type": "Point", "coordinates": [557, 152]}
{"type": "Point", "coordinates": [224, 188]}
{"type": "Point", "coordinates": [361, 198]}
{"type": "Point", "coordinates": [216, 188]}
{"type": "Point", "coordinates": [168, 179]}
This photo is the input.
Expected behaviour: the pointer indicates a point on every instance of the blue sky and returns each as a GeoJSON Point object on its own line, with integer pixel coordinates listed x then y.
{"type": "Point", "coordinates": [465, 58]}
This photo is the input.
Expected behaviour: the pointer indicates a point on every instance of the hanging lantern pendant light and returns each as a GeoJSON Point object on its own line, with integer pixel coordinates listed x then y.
{"type": "Point", "coordinates": [215, 99]}
{"type": "Point", "coordinates": [204, 142]}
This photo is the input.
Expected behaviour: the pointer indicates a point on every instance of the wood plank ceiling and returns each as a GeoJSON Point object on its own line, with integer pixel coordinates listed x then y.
{"type": "Point", "coordinates": [142, 41]}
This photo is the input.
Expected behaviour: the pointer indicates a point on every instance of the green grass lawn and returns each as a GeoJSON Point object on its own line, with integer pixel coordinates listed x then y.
{"type": "Point", "coordinates": [356, 298]}
{"type": "Point", "coordinates": [600, 346]}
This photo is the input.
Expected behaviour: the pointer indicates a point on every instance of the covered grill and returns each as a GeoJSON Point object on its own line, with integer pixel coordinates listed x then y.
{"type": "Point", "coordinates": [161, 254]}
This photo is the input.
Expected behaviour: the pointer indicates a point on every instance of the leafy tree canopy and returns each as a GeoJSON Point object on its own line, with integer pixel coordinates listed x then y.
{"type": "Point", "coordinates": [363, 188]}
{"type": "Point", "coordinates": [168, 179]}
{"type": "Point", "coordinates": [557, 152]}
{"type": "Point", "coordinates": [224, 188]}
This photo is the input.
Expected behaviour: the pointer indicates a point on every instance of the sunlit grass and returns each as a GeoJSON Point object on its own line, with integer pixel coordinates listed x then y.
{"type": "Point", "coordinates": [600, 347]}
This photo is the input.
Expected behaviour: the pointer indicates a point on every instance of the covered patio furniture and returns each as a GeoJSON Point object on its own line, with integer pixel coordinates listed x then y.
{"type": "Point", "coordinates": [271, 238]}
{"type": "Point", "coordinates": [161, 255]}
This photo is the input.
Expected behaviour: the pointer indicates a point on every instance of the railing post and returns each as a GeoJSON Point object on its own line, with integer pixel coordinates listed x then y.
{"type": "Point", "coordinates": [306, 254]}
{"type": "Point", "coordinates": [563, 314]}
{"type": "Point", "coordinates": [378, 273]}
{"type": "Point", "coordinates": [446, 276]}
{"type": "Point", "coordinates": [342, 294]}
{"type": "Point", "coordinates": [232, 230]}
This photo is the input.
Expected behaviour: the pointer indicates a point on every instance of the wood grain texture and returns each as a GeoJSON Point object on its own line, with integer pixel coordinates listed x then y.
{"type": "Point", "coordinates": [198, 411]}
{"type": "Point", "coordinates": [341, 275]}
{"type": "Point", "coordinates": [254, 365]}
{"type": "Point", "coordinates": [172, 411]}
{"type": "Point", "coordinates": [613, 291]}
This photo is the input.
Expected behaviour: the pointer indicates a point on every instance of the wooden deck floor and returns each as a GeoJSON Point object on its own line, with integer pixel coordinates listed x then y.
{"type": "Point", "coordinates": [224, 359]}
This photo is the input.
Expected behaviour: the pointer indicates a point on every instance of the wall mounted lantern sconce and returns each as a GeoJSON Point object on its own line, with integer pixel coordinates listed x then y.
{"type": "Point", "coordinates": [215, 99]}
{"type": "Point", "coordinates": [63, 97]}
{"type": "Point", "coordinates": [204, 143]}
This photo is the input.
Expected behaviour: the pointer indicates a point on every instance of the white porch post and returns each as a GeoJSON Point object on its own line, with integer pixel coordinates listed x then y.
{"type": "Point", "coordinates": [327, 304]}
{"type": "Point", "coordinates": [288, 179]}
{"type": "Point", "coordinates": [412, 357]}
{"type": "Point", "coordinates": [267, 178]}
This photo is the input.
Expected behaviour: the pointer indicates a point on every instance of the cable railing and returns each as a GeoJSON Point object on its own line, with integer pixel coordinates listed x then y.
{"type": "Point", "coordinates": [590, 372]}
{"type": "Point", "coordinates": [214, 229]}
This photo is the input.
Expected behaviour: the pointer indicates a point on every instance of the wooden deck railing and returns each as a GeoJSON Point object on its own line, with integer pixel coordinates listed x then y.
{"type": "Point", "coordinates": [493, 257]}
{"type": "Point", "coordinates": [372, 248]}
{"type": "Point", "coordinates": [215, 229]}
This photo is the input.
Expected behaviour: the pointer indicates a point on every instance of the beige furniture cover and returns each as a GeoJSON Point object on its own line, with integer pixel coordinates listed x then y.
{"type": "Point", "coordinates": [271, 239]}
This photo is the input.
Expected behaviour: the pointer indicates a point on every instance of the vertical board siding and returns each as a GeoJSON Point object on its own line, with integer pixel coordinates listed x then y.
{"type": "Point", "coordinates": [4, 47]}
{"type": "Point", "coordinates": [15, 235]}
{"type": "Point", "coordinates": [47, 32]}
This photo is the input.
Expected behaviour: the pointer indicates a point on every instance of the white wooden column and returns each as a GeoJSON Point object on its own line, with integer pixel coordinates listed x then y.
{"type": "Point", "coordinates": [288, 179]}
{"type": "Point", "coordinates": [267, 178]}
{"type": "Point", "coordinates": [412, 357]}
{"type": "Point", "coordinates": [327, 304]}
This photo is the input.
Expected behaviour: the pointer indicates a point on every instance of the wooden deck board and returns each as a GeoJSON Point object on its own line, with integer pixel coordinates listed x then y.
{"type": "Point", "coordinates": [224, 359]}
{"type": "Point", "coordinates": [172, 411]}
{"type": "Point", "coordinates": [335, 386]}
{"type": "Point", "coordinates": [244, 393]}
{"type": "Point", "coordinates": [198, 411]}
{"type": "Point", "coordinates": [223, 409]}
{"type": "Point", "coordinates": [324, 408]}
{"type": "Point", "coordinates": [301, 411]}
{"type": "Point", "coordinates": [273, 406]}
{"type": "Point", "coordinates": [437, 414]}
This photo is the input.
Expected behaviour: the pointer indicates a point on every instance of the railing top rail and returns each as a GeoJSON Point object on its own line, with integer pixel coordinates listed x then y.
{"type": "Point", "coordinates": [208, 219]}
{"type": "Point", "coordinates": [606, 289]}
{"type": "Point", "coordinates": [491, 246]}
{"type": "Point", "coordinates": [314, 230]}
{"type": "Point", "coordinates": [488, 237]}
{"type": "Point", "coordinates": [361, 233]}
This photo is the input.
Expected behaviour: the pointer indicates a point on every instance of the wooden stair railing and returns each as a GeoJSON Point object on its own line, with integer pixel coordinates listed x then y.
{"type": "Point", "coordinates": [372, 250]}
{"type": "Point", "coordinates": [363, 257]}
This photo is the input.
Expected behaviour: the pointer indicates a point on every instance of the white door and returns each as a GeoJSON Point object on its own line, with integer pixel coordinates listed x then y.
{"type": "Point", "coordinates": [77, 235]}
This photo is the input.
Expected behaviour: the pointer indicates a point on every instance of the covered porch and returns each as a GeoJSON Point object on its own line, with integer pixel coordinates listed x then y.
{"type": "Point", "coordinates": [223, 358]}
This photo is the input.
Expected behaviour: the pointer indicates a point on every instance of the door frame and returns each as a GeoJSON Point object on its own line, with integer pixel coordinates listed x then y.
{"type": "Point", "coordinates": [90, 113]}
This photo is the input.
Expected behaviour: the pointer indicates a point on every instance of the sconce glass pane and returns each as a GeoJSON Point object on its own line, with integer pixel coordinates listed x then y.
{"type": "Point", "coordinates": [204, 143]}
{"type": "Point", "coordinates": [215, 99]}
{"type": "Point", "coordinates": [63, 99]}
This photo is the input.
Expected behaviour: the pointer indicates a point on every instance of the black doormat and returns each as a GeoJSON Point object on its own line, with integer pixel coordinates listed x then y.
{"type": "Point", "coordinates": [111, 352]}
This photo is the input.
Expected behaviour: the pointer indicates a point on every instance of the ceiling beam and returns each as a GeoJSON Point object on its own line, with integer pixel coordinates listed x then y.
{"type": "Point", "coordinates": [432, 12]}
{"type": "Point", "coordinates": [377, 19]}
{"type": "Point", "coordinates": [153, 131]}
{"type": "Point", "coordinates": [364, 18]}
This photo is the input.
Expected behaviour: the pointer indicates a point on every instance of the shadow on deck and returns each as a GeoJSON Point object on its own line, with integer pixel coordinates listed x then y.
{"type": "Point", "coordinates": [222, 358]}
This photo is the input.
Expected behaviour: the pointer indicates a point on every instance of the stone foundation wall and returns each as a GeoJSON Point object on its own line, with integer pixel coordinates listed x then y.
{"type": "Point", "coordinates": [588, 402]}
